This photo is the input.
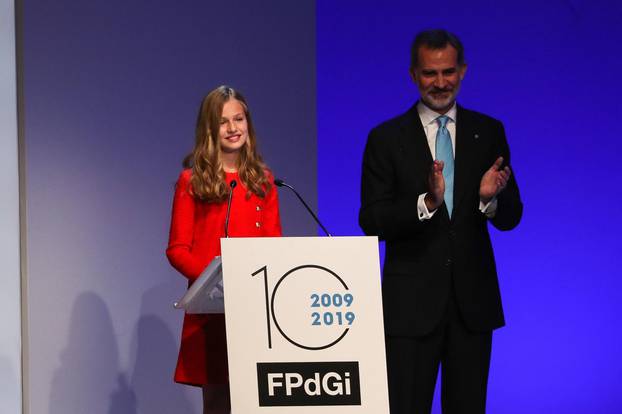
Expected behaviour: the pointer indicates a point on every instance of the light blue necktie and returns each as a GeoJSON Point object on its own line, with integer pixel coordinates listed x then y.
{"type": "Point", "coordinates": [445, 153]}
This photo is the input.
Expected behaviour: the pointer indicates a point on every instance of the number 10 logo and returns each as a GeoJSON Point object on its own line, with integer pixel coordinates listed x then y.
{"type": "Point", "coordinates": [310, 306]}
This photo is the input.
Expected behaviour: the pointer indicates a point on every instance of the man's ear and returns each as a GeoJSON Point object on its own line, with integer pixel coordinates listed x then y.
{"type": "Point", "coordinates": [413, 75]}
{"type": "Point", "coordinates": [462, 71]}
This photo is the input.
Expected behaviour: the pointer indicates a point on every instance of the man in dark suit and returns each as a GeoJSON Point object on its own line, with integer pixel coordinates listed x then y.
{"type": "Point", "coordinates": [432, 179]}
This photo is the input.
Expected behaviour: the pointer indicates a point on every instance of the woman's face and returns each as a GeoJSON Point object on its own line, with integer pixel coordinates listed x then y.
{"type": "Point", "coordinates": [233, 132]}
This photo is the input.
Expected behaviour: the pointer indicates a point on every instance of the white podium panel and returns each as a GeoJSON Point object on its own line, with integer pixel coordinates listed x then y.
{"type": "Point", "coordinates": [304, 325]}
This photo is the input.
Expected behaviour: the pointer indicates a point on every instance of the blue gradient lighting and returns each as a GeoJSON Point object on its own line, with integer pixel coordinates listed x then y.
{"type": "Point", "coordinates": [551, 72]}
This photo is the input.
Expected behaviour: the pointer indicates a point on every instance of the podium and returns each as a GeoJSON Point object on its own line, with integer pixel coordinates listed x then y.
{"type": "Point", "coordinates": [206, 294]}
{"type": "Point", "coordinates": [304, 325]}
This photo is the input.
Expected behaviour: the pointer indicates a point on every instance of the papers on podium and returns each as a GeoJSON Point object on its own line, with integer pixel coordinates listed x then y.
{"type": "Point", "coordinates": [206, 294]}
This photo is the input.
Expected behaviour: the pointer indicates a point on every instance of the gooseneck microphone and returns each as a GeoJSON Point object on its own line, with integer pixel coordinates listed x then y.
{"type": "Point", "coordinates": [232, 184]}
{"type": "Point", "coordinates": [281, 183]}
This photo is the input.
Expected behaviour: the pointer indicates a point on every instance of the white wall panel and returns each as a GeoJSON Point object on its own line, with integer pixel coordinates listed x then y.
{"type": "Point", "coordinates": [10, 325]}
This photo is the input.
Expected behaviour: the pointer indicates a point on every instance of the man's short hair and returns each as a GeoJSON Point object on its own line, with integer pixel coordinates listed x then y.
{"type": "Point", "coordinates": [435, 39]}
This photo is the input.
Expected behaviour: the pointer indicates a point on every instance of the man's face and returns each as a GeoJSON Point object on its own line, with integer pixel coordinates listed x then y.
{"type": "Point", "coordinates": [438, 77]}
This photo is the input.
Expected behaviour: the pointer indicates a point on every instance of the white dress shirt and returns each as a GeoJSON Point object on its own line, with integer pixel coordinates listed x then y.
{"type": "Point", "coordinates": [430, 127]}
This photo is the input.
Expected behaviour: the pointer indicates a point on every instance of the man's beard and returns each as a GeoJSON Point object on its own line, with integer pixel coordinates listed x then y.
{"type": "Point", "coordinates": [438, 104]}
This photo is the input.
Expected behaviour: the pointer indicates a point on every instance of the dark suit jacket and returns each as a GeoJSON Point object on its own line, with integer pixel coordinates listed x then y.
{"type": "Point", "coordinates": [424, 258]}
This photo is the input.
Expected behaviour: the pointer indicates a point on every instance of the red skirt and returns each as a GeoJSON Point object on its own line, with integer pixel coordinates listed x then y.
{"type": "Point", "coordinates": [203, 352]}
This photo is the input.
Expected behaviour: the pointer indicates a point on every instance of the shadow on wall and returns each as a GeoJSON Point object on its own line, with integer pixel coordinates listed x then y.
{"type": "Point", "coordinates": [123, 399]}
{"type": "Point", "coordinates": [89, 364]}
{"type": "Point", "coordinates": [156, 356]}
{"type": "Point", "coordinates": [90, 379]}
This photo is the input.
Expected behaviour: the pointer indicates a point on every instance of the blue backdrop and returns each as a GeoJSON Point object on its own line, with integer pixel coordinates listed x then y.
{"type": "Point", "coordinates": [551, 72]}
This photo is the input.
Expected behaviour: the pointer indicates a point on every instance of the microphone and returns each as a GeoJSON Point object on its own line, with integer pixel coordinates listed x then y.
{"type": "Point", "coordinates": [232, 184]}
{"type": "Point", "coordinates": [281, 183]}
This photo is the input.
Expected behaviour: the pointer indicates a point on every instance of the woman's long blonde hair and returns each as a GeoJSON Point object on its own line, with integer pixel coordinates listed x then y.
{"type": "Point", "coordinates": [208, 176]}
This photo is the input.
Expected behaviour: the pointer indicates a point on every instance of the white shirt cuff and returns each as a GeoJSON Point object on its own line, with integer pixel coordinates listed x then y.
{"type": "Point", "coordinates": [490, 208]}
{"type": "Point", "coordinates": [422, 210]}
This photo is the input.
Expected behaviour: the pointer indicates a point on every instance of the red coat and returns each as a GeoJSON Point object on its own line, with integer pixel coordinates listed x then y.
{"type": "Point", "coordinates": [196, 230]}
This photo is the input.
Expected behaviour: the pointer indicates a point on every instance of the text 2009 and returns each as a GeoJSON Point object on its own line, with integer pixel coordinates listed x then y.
{"type": "Point", "coordinates": [335, 316]}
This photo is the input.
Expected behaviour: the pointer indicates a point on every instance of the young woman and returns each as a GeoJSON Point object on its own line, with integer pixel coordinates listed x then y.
{"type": "Point", "coordinates": [225, 150]}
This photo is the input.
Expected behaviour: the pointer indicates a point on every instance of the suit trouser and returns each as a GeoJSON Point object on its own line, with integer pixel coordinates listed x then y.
{"type": "Point", "coordinates": [464, 357]}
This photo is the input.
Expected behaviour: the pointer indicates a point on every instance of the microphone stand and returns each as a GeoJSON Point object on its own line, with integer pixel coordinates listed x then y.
{"type": "Point", "coordinates": [281, 183]}
{"type": "Point", "coordinates": [232, 184]}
